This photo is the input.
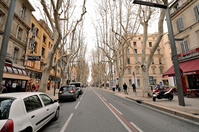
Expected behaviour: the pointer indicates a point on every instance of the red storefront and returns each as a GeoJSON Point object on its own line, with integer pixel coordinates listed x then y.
{"type": "Point", "coordinates": [189, 72]}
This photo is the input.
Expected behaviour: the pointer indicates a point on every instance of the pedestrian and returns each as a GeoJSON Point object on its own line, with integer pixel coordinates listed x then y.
{"type": "Point", "coordinates": [33, 88]}
{"type": "Point", "coordinates": [3, 88]}
{"type": "Point", "coordinates": [125, 88]}
{"type": "Point", "coordinates": [18, 88]}
{"type": "Point", "coordinates": [134, 88]}
{"type": "Point", "coordinates": [8, 87]}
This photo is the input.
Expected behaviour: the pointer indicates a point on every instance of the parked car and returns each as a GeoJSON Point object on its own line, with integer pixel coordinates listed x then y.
{"type": "Point", "coordinates": [78, 86]}
{"type": "Point", "coordinates": [26, 111]}
{"type": "Point", "coordinates": [69, 92]}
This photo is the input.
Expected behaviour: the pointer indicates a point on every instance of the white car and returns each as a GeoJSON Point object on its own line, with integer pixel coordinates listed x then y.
{"type": "Point", "coordinates": [26, 111]}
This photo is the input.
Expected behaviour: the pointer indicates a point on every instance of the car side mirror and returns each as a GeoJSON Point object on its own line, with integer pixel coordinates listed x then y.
{"type": "Point", "coordinates": [55, 101]}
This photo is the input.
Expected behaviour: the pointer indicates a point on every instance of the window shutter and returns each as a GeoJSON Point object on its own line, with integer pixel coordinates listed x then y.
{"type": "Point", "coordinates": [182, 47]}
{"type": "Point", "coordinates": [196, 11]}
{"type": "Point", "coordinates": [186, 46]}
{"type": "Point", "coordinates": [180, 24]}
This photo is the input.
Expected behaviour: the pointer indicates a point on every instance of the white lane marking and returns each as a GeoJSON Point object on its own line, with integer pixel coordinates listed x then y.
{"type": "Point", "coordinates": [67, 122]}
{"type": "Point", "coordinates": [128, 129]}
{"type": "Point", "coordinates": [100, 95]}
{"type": "Point", "coordinates": [116, 109]}
{"type": "Point", "coordinates": [136, 127]}
{"type": "Point", "coordinates": [104, 98]}
{"type": "Point", "coordinates": [77, 105]}
{"type": "Point", "coordinates": [81, 98]}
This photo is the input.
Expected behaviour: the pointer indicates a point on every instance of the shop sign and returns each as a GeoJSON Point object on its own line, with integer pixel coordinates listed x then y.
{"type": "Point", "coordinates": [34, 58]}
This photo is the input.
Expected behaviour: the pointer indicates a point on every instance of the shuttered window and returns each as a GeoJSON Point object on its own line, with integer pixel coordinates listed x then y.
{"type": "Point", "coordinates": [180, 24]}
{"type": "Point", "coordinates": [196, 11]}
{"type": "Point", "coordinates": [184, 46]}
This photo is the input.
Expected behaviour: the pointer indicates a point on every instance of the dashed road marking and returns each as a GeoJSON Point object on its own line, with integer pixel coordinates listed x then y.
{"type": "Point", "coordinates": [136, 127]}
{"type": "Point", "coordinates": [77, 105]}
{"type": "Point", "coordinates": [67, 122]}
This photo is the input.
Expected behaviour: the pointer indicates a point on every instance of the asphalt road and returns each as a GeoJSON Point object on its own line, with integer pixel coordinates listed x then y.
{"type": "Point", "coordinates": [100, 111]}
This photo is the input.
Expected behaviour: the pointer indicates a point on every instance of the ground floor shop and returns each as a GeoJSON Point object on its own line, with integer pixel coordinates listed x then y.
{"type": "Point", "coordinates": [15, 78]}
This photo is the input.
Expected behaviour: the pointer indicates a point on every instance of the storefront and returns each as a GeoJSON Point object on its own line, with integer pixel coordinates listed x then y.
{"type": "Point", "coordinates": [13, 76]}
{"type": "Point", "coordinates": [189, 74]}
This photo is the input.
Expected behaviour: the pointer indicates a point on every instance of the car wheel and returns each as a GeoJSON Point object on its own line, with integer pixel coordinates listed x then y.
{"type": "Point", "coordinates": [56, 115]}
{"type": "Point", "coordinates": [29, 129]}
{"type": "Point", "coordinates": [77, 95]}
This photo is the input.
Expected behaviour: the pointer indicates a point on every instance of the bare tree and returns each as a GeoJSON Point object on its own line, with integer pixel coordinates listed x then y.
{"type": "Point", "coordinates": [54, 12]}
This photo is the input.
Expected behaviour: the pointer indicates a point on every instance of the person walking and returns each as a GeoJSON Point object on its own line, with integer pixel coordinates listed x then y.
{"type": "Point", "coordinates": [8, 88]}
{"type": "Point", "coordinates": [134, 88]}
{"type": "Point", "coordinates": [33, 88]}
{"type": "Point", "coordinates": [125, 88]}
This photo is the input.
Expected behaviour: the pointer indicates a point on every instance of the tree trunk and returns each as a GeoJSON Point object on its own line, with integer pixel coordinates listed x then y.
{"type": "Point", "coordinates": [146, 92]}
{"type": "Point", "coordinates": [44, 79]}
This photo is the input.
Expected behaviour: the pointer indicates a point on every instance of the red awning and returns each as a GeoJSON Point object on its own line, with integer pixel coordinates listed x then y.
{"type": "Point", "coordinates": [187, 68]}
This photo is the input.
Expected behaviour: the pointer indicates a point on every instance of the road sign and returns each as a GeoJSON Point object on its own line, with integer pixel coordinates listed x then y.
{"type": "Point", "coordinates": [34, 58]}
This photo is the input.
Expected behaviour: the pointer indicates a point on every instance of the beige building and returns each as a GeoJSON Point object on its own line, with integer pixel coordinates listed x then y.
{"type": "Point", "coordinates": [14, 70]}
{"type": "Point", "coordinates": [157, 66]}
{"type": "Point", "coordinates": [43, 42]}
{"type": "Point", "coordinates": [185, 21]}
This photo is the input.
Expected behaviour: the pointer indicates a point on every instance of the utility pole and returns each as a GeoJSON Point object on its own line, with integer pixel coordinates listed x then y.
{"type": "Point", "coordinates": [6, 36]}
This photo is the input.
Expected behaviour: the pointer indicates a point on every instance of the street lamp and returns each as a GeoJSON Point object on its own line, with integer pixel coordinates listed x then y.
{"type": "Point", "coordinates": [173, 46]}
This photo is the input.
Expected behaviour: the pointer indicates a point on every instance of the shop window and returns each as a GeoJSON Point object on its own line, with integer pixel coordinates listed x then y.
{"type": "Point", "coordinates": [196, 11]}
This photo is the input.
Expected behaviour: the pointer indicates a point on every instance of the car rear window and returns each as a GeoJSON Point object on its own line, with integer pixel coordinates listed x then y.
{"type": "Point", "coordinates": [5, 104]}
{"type": "Point", "coordinates": [66, 88]}
{"type": "Point", "coordinates": [76, 84]}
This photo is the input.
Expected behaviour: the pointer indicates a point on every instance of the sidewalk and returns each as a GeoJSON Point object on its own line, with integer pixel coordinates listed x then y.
{"type": "Point", "coordinates": [189, 111]}
{"type": "Point", "coordinates": [51, 93]}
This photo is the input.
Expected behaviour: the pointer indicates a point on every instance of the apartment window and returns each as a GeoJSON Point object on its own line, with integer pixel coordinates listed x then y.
{"type": "Point", "coordinates": [152, 61]}
{"type": "Point", "coordinates": [196, 11]}
{"type": "Point", "coordinates": [22, 14]}
{"type": "Point", "coordinates": [154, 71]}
{"type": "Point", "coordinates": [19, 33]}
{"type": "Point", "coordinates": [180, 24]}
{"type": "Point", "coordinates": [35, 48]}
{"type": "Point", "coordinates": [43, 51]}
{"type": "Point", "coordinates": [128, 51]}
{"type": "Point", "coordinates": [150, 44]}
{"type": "Point", "coordinates": [129, 71]}
{"type": "Point", "coordinates": [134, 44]}
{"type": "Point", "coordinates": [32, 26]}
{"type": "Point", "coordinates": [160, 62]}
{"type": "Point", "coordinates": [44, 39]}
{"type": "Point", "coordinates": [135, 50]}
{"type": "Point", "coordinates": [184, 46]}
{"type": "Point", "coordinates": [161, 70]}
{"type": "Point", "coordinates": [15, 54]}
{"type": "Point", "coordinates": [128, 60]}
{"type": "Point", "coordinates": [139, 38]}
{"type": "Point", "coordinates": [138, 81]}
{"type": "Point", "coordinates": [30, 63]}
{"type": "Point", "coordinates": [136, 61]}
{"type": "Point", "coordinates": [137, 71]}
{"type": "Point", "coordinates": [158, 51]}
{"type": "Point", "coordinates": [142, 44]}
{"type": "Point", "coordinates": [54, 60]}
{"type": "Point", "coordinates": [49, 45]}
{"type": "Point", "coordinates": [37, 32]}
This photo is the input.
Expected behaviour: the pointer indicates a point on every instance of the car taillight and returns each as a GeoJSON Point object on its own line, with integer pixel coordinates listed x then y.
{"type": "Point", "coordinates": [8, 127]}
{"type": "Point", "coordinates": [60, 92]}
{"type": "Point", "coordinates": [72, 91]}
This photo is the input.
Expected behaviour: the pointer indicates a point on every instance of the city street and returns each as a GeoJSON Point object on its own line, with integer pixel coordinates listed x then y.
{"type": "Point", "coordinates": [101, 111]}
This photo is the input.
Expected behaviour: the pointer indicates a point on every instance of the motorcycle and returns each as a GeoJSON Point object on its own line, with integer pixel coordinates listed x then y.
{"type": "Point", "coordinates": [159, 93]}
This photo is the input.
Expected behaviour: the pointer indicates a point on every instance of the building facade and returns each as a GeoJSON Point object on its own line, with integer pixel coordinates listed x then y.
{"type": "Point", "coordinates": [43, 38]}
{"type": "Point", "coordinates": [185, 21]}
{"type": "Point", "coordinates": [14, 70]}
{"type": "Point", "coordinates": [133, 71]}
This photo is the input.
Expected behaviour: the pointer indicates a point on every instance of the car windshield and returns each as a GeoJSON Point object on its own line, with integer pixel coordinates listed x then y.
{"type": "Point", "coordinates": [76, 84]}
{"type": "Point", "coordinates": [5, 104]}
{"type": "Point", "coordinates": [66, 88]}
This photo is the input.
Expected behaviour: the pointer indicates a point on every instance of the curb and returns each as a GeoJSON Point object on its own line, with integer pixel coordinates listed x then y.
{"type": "Point", "coordinates": [168, 110]}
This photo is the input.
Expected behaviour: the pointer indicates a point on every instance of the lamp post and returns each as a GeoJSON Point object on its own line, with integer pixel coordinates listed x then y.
{"type": "Point", "coordinates": [172, 44]}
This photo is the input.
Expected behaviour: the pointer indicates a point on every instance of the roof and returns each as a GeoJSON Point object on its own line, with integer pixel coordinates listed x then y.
{"type": "Point", "coordinates": [20, 94]}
